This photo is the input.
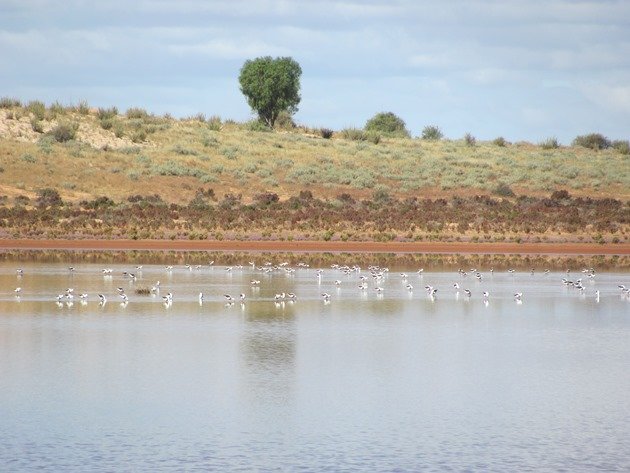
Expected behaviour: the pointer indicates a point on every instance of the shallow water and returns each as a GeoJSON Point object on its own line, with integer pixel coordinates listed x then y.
{"type": "Point", "coordinates": [398, 381]}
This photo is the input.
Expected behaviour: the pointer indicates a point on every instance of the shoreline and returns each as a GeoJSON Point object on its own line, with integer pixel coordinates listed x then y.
{"type": "Point", "coordinates": [436, 248]}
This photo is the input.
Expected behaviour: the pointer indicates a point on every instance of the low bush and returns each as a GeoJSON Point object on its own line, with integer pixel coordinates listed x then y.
{"type": "Point", "coordinates": [82, 108]}
{"type": "Point", "coordinates": [388, 124]}
{"type": "Point", "coordinates": [594, 141]}
{"type": "Point", "coordinates": [432, 133]}
{"type": "Point", "coordinates": [503, 190]}
{"type": "Point", "coordinates": [353, 134]}
{"type": "Point", "coordinates": [48, 197]}
{"type": "Point", "coordinates": [103, 113]}
{"type": "Point", "coordinates": [36, 125]}
{"type": "Point", "coordinates": [64, 131]}
{"type": "Point", "coordinates": [500, 141]}
{"type": "Point", "coordinates": [136, 112]}
{"type": "Point", "coordinates": [106, 123]}
{"type": "Point", "coordinates": [214, 123]}
{"type": "Point", "coordinates": [549, 143]}
{"type": "Point", "coordinates": [326, 133]}
{"type": "Point", "coordinates": [470, 140]}
{"type": "Point", "coordinates": [257, 125]}
{"type": "Point", "coordinates": [37, 108]}
{"type": "Point", "coordinates": [623, 146]}
{"type": "Point", "coordinates": [8, 102]}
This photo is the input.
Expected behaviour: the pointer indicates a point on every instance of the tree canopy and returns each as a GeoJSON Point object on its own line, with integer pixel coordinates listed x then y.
{"type": "Point", "coordinates": [271, 86]}
{"type": "Point", "coordinates": [388, 124]}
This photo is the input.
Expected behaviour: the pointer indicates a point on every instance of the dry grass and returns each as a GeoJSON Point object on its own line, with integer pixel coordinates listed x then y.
{"type": "Point", "coordinates": [144, 154]}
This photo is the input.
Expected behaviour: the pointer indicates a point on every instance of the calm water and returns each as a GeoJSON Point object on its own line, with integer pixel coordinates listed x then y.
{"type": "Point", "coordinates": [397, 381]}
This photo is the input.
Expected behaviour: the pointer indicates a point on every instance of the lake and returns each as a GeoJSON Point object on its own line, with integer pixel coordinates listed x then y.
{"type": "Point", "coordinates": [395, 380]}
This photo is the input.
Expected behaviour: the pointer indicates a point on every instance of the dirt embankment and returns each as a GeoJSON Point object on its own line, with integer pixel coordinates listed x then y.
{"type": "Point", "coordinates": [323, 247]}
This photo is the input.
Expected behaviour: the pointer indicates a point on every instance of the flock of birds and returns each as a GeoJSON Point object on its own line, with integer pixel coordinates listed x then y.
{"type": "Point", "coordinates": [375, 274]}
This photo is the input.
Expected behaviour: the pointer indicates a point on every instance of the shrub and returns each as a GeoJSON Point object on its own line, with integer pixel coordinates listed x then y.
{"type": "Point", "coordinates": [373, 137]}
{"type": "Point", "coordinates": [503, 190]}
{"type": "Point", "coordinates": [388, 124]}
{"type": "Point", "coordinates": [284, 121]}
{"type": "Point", "coordinates": [594, 141]}
{"type": "Point", "coordinates": [83, 108]}
{"type": "Point", "coordinates": [353, 134]}
{"type": "Point", "coordinates": [326, 133]}
{"type": "Point", "coordinates": [135, 112]}
{"type": "Point", "coordinates": [622, 146]}
{"type": "Point", "coordinates": [48, 197]}
{"type": "Point", "coordinates": [36, 125]}
{"type": "Point", "coordinates": [139, 136]}
{"type": "Point", "coordinates": [56, 109]}
{"type": "Point", "coordinates": [37, 108]}
{"type": "Point", "coordinates": [8, 102]}
{"type": "Point", "coordinates": [560, 195]}
{"type": "Point", "coordinates": [549, 143]}
{"type": "Point", "coordinates": [119, 130]}
{"type": "Point", "coordinates": [470, 140]}
{"type": "Point", "coordinates": [266, 198]}
{"type": "Point", "coordinates": [214, 123]}
{"type": "Point", "coordinates": [500, 141]}
{"type": "Point", "coordinates": [107, 123]}
{"type": "Point", "coordinates": [64, 132]}
{"type": "Point", "coordinates": [257, 125]}
{"type": "Point", "coordinates": [431, 133]}
{"type": "Point", "coordinates": [103, 113]}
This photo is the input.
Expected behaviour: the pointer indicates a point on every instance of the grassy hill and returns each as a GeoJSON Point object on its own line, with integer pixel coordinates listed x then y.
{"type": "Point", "coordinates": [122, 154]}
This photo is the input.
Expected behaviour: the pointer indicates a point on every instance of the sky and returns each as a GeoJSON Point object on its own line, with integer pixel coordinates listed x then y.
{"type": "Point", "coordinates": [524, 70]}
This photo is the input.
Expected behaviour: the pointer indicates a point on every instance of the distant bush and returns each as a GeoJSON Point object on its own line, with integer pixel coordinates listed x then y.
{"type": "Point", "coordinates": [56, 109]}
{"type": "Point", "coordinates": [8, 102]}
{"type": "Point", "coordinates": [284, 121]}
{"type": "Point", "coordinates": [82, 108]}
{"type": "Point", "coordinates": [373, 137]}
{"type": "Point", "coordinates": [139, 136]}
{"type": "Point", "coordinates": [623, 146]}
{"type": "Point", "coordinates": [48, 197]}
{"type": "Point", "coordinates": [107, 123]}
{"type": "Point", "coordinates": [257, 125]}
{"type": "Point", "coordinates": [353, 134]}
{"type": "Point", "coordinates": [36, 125]}
{"type": "Point", "coordinates": [431, 133]}
{"type": "Point", "coordinates": [65, 131]}
{"type": "Point", "coordinates": [37, 108]}
{"type": "Point", "coordinates": [388, 124]}
{"type": "Point", "coordinates": [119, 130]}
{"type": "Point", "coordinates": [326, 133]}
{"type": "Point", "coordinates": [503, 190]}
{"type": "Point", "coordinates": [266, 198]}
{"type": "Point", "coordinates": [500, 141]}
{"type": "Point", "coordinates": [594, 141]}
{"type": "Point", "coordinates": [214, 123]}
{"type": "Point", "coordinates": [549, 143]}
{"type": "Point", "coordinates": [560, 195]}
{"type": "Point", "coordinates": [135, 112]}
{"type": "Point", "coordinates": [103, 113]}
{"type": "Point", "coordinates": [470, 140]}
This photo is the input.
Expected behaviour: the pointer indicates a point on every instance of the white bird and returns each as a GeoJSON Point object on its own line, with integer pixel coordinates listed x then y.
{"type": "Point", "coordinates": [19, 272]}
{"type": "Point", "coordinates": [409, 287]}
{"type": "Point", "coordinates": [228, 298]}
{"type": "Point", "coordinates": [102, 298]}
{"type": "Point", "coordinates": [467, 292]}
{"type": "Point", "coordinates": [83, 296]}
{"type": "Point", "coordinates": [486, 294]}
{"type": "Point", "coordinates": [17, 290]}
{"type": "Point", "coordinates": [291, 296]}
{"type": "Point", "coordinates": [456, 286]}
{"type": "Point", "coordinates": [201, 297]}
{"type": "Point", "coordinates": [326, 296]}
{"type": "Point", "coordinates": [242, 297]}
{"type": "Point", "coordinates": [518, 296]}
{"type": "Point", "coordinates": [124, 298]}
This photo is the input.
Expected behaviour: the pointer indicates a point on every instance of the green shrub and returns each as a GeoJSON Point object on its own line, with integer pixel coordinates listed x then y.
{"type": "Point", "coordinates": [82, 108]}
{"type": "Point", "coordinates": [257, 125]}
{"type": "Point", "coordinates": [36, 125]}
{"type": "Point", "coordinates": [388, 124]}
{"type": "Point", "coordinates": [431, 133]}
{"type": "Point", "coordinates": [8, 102]}
{"type": "Point", "coordinates": [107, 123]}
{"type": "Point", "coordinates": [135, 112]}
{"type": "Point", "coordinates": [139, 136]}
{"type": "Point", "coordinates": [48, 197]}
{"type": "Point", "coordinates": [284, 121]}
{"type": "Point", "coordinates": [549, 143]}
{"type": "Point", "coordinates": [56, 109]}
{"type": "Point", "coordinates": [594, 141]}
{"type": "Point", "coordinates": [623, 146]}
{"type": "Point", "coordinates": [64, 131]}
{"type": "Point", "coordinates": [214, 123]}
{"type": "Point", "coordinates": [103, 113]}
{"type": "Point", "coordinates": [503, 190]}
{"type": "Point", "coordinates": [500, 141]}
{"type": "Point", "coordinates": [353, 134]}
{"type": "Point", "coordinates": [373, 137]}
{"type": "Point", "coordinates": [119, 130]}
{"type": "Point", "coordinates": [326, 133]}
{"type": "Point", "coordinates": [29, 158]}
{"type": "Point", "coordinates": [37, 108]}
{"type": "Point", "coordinates": [470, 140]}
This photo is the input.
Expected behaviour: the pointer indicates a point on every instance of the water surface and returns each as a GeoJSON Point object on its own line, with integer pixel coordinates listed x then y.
{"type": "Point", "coordinates": [397, 381]}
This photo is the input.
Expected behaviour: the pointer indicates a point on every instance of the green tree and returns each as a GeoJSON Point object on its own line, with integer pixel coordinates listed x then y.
{"type": "Point", "coordinates": [388, 124]}
{"type": "Point", "coordinates": [271, 86]}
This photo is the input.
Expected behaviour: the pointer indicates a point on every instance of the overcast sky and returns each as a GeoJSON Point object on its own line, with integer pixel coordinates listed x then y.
{"type": "Point", "coordinates": [525, 70]}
